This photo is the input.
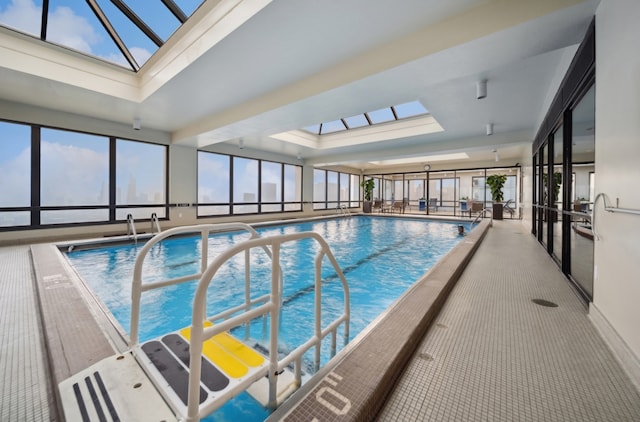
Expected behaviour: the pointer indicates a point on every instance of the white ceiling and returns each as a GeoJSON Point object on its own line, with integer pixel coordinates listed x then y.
{"type": "Point", "coordinates": [291, 63]}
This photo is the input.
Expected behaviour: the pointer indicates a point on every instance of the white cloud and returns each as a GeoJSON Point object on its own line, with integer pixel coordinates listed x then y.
{"type": "Point", "coordinates": [15, 180]}
{"type": "Point", "coordinates": [67, 28]}
{"type": "Point", "coordinates": [71, 30]}
{"type": "Point", "coordinates": [64, 25]}
{"type": "Point", "coordinates": [141, 54]}
{"type": "Point", "coordinates": [72, 175]}
{"type": "Point", "coordinates": [23, 15]}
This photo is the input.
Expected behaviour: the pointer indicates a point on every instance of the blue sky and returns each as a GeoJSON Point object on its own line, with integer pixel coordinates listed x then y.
{"type": "Point", "coordinates": [72, 23]}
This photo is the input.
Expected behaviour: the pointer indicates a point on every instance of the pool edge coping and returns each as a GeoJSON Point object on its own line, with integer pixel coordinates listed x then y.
{"type": "Point", "coordinates": [364, 373]}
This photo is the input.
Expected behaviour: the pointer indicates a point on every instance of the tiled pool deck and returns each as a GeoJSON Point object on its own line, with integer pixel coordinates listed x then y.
{"type": "Point", "coordinates": [491, 354]}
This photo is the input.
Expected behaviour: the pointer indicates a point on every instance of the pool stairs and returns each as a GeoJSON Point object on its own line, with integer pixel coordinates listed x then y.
{"type": "Point", "coordinates": [188, 374]}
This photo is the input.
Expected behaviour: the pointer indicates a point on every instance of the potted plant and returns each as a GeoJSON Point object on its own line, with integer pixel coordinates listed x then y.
{"type": "Point", "coordinates": [367, 187]}
{"type": "Point", "coordinates": [496, 184]}
{"type": "Point", "coordinates": [422, 204]}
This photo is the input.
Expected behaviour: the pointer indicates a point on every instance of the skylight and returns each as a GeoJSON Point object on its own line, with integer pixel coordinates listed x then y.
{"type": "Point", "coordinates": [370, 118]}
{"type": "Point", "coordinates": [124, 32]}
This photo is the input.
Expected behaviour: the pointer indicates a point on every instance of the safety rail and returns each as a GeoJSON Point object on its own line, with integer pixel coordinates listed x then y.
{"type": "Point", "coordinates": [205, 230]}
{"type": "Point", "coordinates": [131, 228]}
{"type": "Point", "coordinates": [155, 223]}
{"type": "Point", "coordinates": [265, 306]}
{"type": "Point", "coordinates": [200, 333]}
{"type": "Point", "coordinates": [481, 215]}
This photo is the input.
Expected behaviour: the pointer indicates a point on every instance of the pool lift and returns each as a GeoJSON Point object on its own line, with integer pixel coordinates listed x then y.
{"type": "Point", "coordinates": [187, 374]}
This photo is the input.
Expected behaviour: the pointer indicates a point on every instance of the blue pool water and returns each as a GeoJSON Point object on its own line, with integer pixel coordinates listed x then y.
{"type": "Point", "coordinates": [380, 258]}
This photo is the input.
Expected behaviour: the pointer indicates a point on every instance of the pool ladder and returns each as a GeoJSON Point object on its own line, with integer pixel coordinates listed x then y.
{"type": "Point", "coordinates": [187, 374]}
{"type": "Point", "coordinates": [155, 223]}
{"type": "Point", "coordinates": [131, 228]}
{"type": "Point", "coordinates": [344, 210]}
{"type": "Point", "coordinates": [480, 215]}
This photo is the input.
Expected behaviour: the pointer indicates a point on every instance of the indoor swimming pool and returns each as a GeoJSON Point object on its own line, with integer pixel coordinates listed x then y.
{"type": "Point", "coordinates": [380, 257]}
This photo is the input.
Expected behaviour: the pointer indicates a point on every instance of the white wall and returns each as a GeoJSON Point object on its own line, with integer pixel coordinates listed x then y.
{"type": "Point", "coordinates": [617, 253]}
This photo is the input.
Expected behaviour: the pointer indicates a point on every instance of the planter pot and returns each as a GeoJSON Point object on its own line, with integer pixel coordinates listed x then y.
{"type": "Point", "coordinates": [497, 211]}
{"type": "Point", "coordinates": [366, 207]}
{"type": "Point", "coordinates": [422, 204]}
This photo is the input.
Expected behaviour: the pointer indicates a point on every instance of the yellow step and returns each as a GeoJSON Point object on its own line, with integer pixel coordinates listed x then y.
{"type": "Point", "coordinates": [229, 354]}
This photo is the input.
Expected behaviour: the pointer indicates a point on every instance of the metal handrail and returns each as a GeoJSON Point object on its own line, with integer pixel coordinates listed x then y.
{"type": "Point", "coordinates": [344, 210]}
{"type": "Point", "coordinates": [608, 209]}
{"type": "Point", "coordinates": [137, 287]}
{"type": "Point", "coordinates": [155, 223]}
{"type": "Point", "coordinates": [480, 215]}
{"type": "Point", "coordinates": [131, 228]}
{"type": "Point", "coordinates": [200, 333]}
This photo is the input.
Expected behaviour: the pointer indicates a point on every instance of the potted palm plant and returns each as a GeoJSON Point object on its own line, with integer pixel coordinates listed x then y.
{"type": "Point", "coordinates": [367, 187]}
{"type": "Point", "coordinates": [496, 184]}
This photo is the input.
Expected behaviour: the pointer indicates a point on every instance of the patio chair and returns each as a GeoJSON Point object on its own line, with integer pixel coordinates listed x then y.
{"type": "Point", "coordinates": [376, 204]}
{"type": "Point", "coordinates": [433, 204]}
{"type": "Point", "coordinates": [476, 207]}
{"type": "Point", "coordinates": [508, 207]}
{"type": "Point", "coordinates": [398, 206]}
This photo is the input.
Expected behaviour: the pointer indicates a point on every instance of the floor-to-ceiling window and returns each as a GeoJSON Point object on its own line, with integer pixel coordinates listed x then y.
{"type": "Point", "coordinates": [15, 175]}
{"type": "Point", "coordinates": [564, 166]}
{"type": "Point", "coordinates": [583, 160]}
{"type": "Point", "coordinates": [56, 177]}
{"type": "Point", "coordinates": [238, 185]}
{"type": "Point", "coordinates": [332, 189]}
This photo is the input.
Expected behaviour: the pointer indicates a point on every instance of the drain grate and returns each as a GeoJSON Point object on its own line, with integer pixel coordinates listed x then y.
{"type": "Point", "coordinates": [546, 303]}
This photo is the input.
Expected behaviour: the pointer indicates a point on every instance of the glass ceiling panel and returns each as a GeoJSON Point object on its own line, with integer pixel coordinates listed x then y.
{"type": "Point", "coordinates": [313, 128]}
{"type": "Point", "coordinates": [25, 16]}
{"type": "Point", "coordinates": [159, 19]}
{"type": "Point", "coordinates": [73, 24]}
{"type": "Point", "coordinates": [333, 126]}
{"type": "Point", "coordinates": [414, 108]}
{"type": "Point", "coordinates": [402, 111]}
{"type": "Point", "coordinates": [357, 121]}
{"type": "Point", "coordinates": [188, 6]}
{"type": "Point", "coordinates": [381, 116]}
{"type": "Point", "coordinates": [140, 46]}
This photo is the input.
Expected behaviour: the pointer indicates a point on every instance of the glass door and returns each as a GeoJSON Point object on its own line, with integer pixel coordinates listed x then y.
{"type": "Point", "coordinates": [583, 166]}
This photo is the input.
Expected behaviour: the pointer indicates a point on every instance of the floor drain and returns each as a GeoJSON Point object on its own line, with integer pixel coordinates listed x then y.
{"type": "Point", "coordinates": [543, 302]}
{"type": "Point", "coordinates": [425, 356]}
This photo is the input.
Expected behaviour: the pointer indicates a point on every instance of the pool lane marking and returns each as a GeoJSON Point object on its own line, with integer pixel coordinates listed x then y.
{"type": "Point", "coordinates": [346, 270]}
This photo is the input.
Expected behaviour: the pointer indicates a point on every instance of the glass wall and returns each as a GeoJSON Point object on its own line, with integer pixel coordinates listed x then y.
{"type": "Point", "coordinates": [292, 188]}
{"type": "Point", "coordinates": [140, 179]}
{"type": "Point", "coordinates": [555, 213]}
{"type": "Point", "coordinates": [15, 175]}
{"type": "Point", "coordinates": [583, 155]}
{"type": "Point", "coordinates": [564, 161]}
{"type": "Point", "coordinates": [238, 185]}
{"type": "Point", "coordinates": [563, 220]}
{"type": "Point", "coordinates": [74, 172]}
{"type": "Point", "coordinates": [333, 189]}
{"type": "Point", "coordinates": [60, 177]}
{"type": "Point", "coordinates": [214, 182]}
{"type": "Point", "coordinates": [450, 192]}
